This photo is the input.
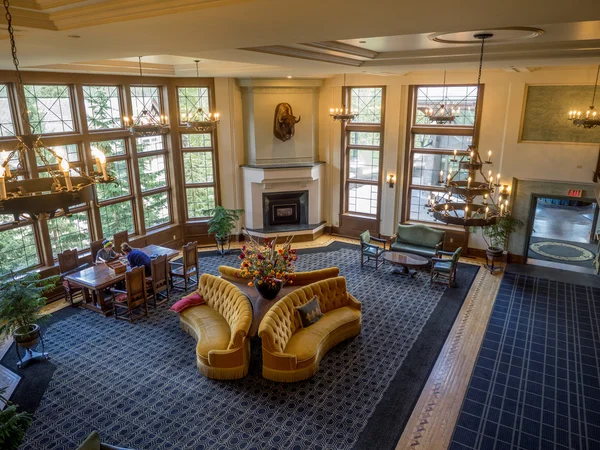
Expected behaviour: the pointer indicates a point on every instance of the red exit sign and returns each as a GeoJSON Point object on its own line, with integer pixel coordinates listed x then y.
{"type": "Point", "coordinates": [575, 192]}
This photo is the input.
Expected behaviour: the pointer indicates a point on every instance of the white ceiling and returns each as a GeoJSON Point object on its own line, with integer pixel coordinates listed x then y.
{"type": "Point", "coordinates": [218, 33]}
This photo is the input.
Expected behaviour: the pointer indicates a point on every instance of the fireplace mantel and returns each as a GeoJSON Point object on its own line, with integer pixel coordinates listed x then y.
{"type": "Point", "coordinates": [259, 180]}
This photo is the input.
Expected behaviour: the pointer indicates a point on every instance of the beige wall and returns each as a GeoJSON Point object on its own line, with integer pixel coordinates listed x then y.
{"type": "Point", "coordinates": [501, 118]}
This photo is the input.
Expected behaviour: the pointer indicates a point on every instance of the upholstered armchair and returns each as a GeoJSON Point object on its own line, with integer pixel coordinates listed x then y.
{"type": "Point", "coordinates": [443, 270]}
{"type": "Point", "coordinates": [370, 251]}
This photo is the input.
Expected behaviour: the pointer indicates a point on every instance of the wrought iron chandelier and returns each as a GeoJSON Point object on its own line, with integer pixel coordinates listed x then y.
{"type": "Point", "coordinates": [459, 204]}
{"type": "Point", "coordinates": [591, 118]}
{"type": "Point", "coordinates": [43, 197]}
{"type": "Point", "coordinates": [343, 114]}
{"type": "Point", "coordinates": [146, 123]}
{"type": "Point", "coordinates": [442, 113]}
{"type": "Point", "coordinates": [201, 121]}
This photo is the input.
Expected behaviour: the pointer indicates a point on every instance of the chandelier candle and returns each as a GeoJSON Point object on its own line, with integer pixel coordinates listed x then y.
{"type": "Point", "coordinates": [5, 163]}
{"type": "Point", "coordinates": [64, 167]}
{"type": "Point", "coordinates": [2, 185]}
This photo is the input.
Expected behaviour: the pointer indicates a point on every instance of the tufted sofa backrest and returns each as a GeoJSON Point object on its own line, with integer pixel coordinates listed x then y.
{"type": "Point", "coordinates": [230, 302]}
{"type": "Point", "coordinates": [282, 320]}
{"type": "Point", "coordinates": [303, 278]}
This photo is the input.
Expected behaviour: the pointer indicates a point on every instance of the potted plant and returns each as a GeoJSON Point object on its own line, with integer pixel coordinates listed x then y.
{"type": "Point", "coordinates": [268, 267]}
{"type": "Point", "coordinates": [13, 424]}
{"type": "Point", "coordinates": [221, 224]}
{"type": "Point", "coordinates": [496, 235]}
{"type": "Point", "coordinates": [21, 300]}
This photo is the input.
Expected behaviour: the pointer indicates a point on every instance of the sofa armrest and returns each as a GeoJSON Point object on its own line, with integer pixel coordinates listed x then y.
{"type": "Point", "coordinates": [438, 247]}
{"type": "Point", "coordinates": [238, 338]}
{"type": "Point", "coordinates": [440, 252]}
{"type": "Point", "coordinates": [226, 358]}
{"type": "Point", "coordinates": [279, 361]}
{"type": "Point", "coordinates": [353, 303]}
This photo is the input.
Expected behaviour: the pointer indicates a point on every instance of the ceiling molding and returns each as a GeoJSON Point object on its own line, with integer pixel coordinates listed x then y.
{"type": "Point", "coordinates": [43, 5]}
{"type": "Point", "coordinates": [342, 47]}
{"type": "Point", "coordinates": [110, 66]}
{"type": "Point", "coordinates": [293, 52]}
{"type": "Point", "coordinates": [111, 11]}
{"type": "Point", "coordinates": [26, 18]}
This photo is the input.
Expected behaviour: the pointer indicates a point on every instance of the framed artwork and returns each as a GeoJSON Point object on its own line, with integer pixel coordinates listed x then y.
{"type": "Point", "coordinates": [546, 111]}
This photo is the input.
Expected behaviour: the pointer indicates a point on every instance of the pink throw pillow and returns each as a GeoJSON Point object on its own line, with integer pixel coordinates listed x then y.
{"type": "Point", "coordinates": [188, 301]}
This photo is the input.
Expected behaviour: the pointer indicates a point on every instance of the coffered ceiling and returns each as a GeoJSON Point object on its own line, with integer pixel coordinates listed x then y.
{"type": "Point", "coordinates": [306, 38]}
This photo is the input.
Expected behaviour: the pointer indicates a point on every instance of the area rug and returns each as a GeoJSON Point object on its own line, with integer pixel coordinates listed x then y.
{"type": "Point", "coordinates": [536, 381]}
{"type": "Point", "coordinates": [138, 384]}
{"type": "Point", "coordinates": [562, 251]}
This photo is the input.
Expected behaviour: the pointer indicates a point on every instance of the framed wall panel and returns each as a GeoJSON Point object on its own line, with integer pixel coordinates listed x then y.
{"type": "Point", "coordinates": [545, 115]}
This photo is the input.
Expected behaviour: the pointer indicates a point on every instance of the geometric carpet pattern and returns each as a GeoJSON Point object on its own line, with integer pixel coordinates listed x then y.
{"type": "Point", "coordinates": [138, 385]}
{"type": "Point", "coordinates": [536, 382]}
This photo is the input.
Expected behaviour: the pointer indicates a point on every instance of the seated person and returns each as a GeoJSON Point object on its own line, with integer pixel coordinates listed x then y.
{"type": "Point", "coordinates": [107, 253]}
{"type": "Point", "coordinates": [137, 258]}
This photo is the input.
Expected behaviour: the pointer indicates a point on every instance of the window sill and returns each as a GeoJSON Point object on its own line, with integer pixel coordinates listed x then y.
{"type": "Point", "coordinates": [360, 216]}
{"type": "Point", "coordinates": [434, 225]}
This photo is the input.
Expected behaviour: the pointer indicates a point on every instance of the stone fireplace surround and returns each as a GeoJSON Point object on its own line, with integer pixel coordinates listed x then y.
{"type": "Point", "coordinates": [278, 179]}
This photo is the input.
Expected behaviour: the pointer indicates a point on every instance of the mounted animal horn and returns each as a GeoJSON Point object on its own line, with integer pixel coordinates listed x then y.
{"type": "Point", "coordinates": [298, 120]}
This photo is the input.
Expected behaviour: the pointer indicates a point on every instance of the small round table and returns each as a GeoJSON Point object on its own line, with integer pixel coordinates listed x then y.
{"type": "Point", "coordinates": [405, 262]}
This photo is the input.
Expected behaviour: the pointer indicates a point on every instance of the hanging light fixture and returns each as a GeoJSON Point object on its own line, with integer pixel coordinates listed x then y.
{"type": "Point", "coordinates": [443, 112]}
{"type": "Point", "coordinates": [201, 121]}
{"type": "Point", "coordinates": [458, 205]}
{"type": "Point", "coordinates": [43, 197]}
{"type": "Point", "coordinates": [343, 114]}
{"type": "Point", "coordinates": [591, 118]}
{"type": "Point", "coordinates": [146, 123]}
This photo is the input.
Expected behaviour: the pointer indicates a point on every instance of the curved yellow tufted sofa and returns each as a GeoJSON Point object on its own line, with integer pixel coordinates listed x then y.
{"type": "Point", "coordinates": [291, 352]}
{"type": "Point", "coordinates": [299, 278]}
{"type": "Point", "coordinates": [220, 327]}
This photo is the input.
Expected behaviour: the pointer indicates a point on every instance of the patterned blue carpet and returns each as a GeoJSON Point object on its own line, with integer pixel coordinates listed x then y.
{"type": "Point", "coordinates": [536, 382]}
{"type": "Point", "coordinates": [138, 384]}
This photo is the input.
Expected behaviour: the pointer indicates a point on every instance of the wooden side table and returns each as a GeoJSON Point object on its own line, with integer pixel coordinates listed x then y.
{"type": "Point", "coordinates": [496, 263]}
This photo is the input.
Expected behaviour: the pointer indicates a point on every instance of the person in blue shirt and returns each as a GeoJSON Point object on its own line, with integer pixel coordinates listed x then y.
{"type": "Point", "coordinates": [137, 258]}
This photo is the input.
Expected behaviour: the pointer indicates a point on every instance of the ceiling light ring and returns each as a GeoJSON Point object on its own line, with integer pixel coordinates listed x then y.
{"type": "Point", "coordinates": [533, 33]}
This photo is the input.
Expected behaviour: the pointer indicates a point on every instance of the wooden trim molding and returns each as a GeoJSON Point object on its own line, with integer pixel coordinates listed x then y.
{"type": "Point", "coordinates": [433, 419]}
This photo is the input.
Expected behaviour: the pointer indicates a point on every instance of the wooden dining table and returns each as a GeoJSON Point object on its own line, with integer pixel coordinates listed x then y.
{"type": "Point", "coordinates": [97, 278]}
{"type": "Point", "coordinates": [260, 305]}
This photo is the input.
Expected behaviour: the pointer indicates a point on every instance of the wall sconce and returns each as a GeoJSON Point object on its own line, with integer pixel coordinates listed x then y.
{"type": "Point", "coordinates": [391, 180]}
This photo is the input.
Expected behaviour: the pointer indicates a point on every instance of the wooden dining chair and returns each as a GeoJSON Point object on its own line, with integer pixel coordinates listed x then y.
{"type": "Point", "coordinates": [186, 269]}
{"type": "Point", "coordinates": [68, 261]}
{"type": "Point", "coordinates": [120, 238]}
{"type": "Point", "coordinates": [132, 303]}
{"type": "Point", "coordinates": [95, 247]}
{"type": "Point", "coordinates": [158, 282]}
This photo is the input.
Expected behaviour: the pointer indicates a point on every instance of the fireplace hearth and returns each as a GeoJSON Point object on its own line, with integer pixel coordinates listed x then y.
{"type": "Point", "coordinates": [285, 208]}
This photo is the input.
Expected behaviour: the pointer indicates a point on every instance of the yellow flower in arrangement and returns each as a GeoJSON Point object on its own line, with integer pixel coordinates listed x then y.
{"type": "Point", "coordinates": [267, 263]}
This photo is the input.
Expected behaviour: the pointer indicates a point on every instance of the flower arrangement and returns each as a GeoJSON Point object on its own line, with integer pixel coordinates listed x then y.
{"type": "Point", "coordinates": [269, 264]}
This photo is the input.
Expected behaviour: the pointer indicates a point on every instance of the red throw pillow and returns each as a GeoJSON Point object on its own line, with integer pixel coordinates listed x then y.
{"type": "Point", "coordinates": [188, 301]}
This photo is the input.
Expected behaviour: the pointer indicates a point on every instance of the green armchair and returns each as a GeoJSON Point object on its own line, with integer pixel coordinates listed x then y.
{"type": "Point", "coordinates": [443, 270]}
{"type": "Point", "coordinates": [418, 240]}
{"type": "Point", "coordinates": [370, 251]}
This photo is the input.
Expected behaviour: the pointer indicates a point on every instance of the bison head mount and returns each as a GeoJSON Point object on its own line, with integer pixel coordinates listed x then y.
{"type": "Point", "coordinates": [285, 122]}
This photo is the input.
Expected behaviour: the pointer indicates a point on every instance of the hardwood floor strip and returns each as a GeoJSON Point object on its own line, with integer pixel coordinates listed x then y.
{"type": "Point", "coordinates": [433, 420]}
